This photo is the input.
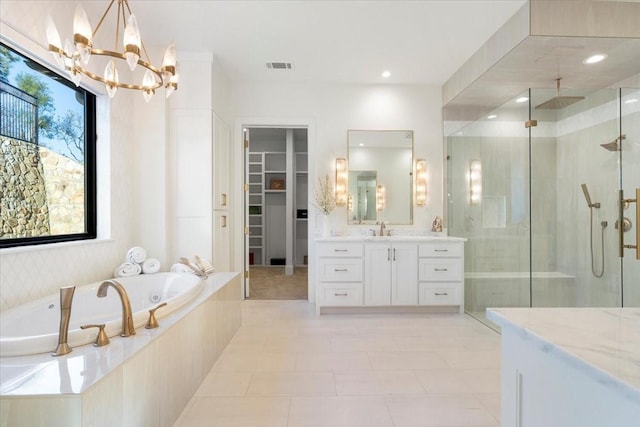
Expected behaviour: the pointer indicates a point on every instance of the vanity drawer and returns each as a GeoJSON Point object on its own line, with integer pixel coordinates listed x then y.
{"type": "Point", "coordinates": [439, 294]}
{"type": "Point", "coordinates": [432, 269]}
{"type": "Point", "coordinates": [336, 294]}
{"type": "Point", "coordinates": [340, 270]}
{"type": "Point", "coordinates": [440, 250]}
{"type": "Point", "coordinates": [340, 250]}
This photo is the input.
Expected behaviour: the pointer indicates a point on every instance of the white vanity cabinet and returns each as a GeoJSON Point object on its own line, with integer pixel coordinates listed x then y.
{"type": "Point", "coordinates": [391, 274]}
{"type": "Point", "coordinates": [441, 274]}
{"type": "Point", "coordinates": [340, 273]}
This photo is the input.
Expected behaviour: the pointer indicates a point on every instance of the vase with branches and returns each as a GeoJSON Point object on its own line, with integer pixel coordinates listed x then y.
{"type": "Point", "coordinates": [325, 201]}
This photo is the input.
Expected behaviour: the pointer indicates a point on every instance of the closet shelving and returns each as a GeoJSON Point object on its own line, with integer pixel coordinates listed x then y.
{"type": "Point", "coordinates": [278, 185]}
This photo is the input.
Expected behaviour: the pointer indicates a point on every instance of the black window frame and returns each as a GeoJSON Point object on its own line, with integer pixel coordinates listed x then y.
{"type": "Point", "coordinates": [90, 170]}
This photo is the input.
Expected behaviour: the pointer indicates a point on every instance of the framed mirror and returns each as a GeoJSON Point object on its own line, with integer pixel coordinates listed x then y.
{"type": "Point", "coordinates": [380, 176]}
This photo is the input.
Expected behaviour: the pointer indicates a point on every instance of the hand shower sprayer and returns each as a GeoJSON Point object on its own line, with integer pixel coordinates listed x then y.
{"type": "Point", "coordinates": [585, 190]}
{"type": "Point", "coordinates": [603, 225]}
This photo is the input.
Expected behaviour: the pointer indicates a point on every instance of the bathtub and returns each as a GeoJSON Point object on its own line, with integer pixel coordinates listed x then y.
{"type": "Point", "coordinates": [146, 379]}
{"type": "Point", "coordinates": [33, 328]}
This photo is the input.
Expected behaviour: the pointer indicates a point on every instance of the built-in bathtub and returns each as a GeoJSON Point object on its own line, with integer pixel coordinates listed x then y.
{"type": "Point", "coordinates": [511, 289]}
{"type": "Point", "coordinates": [143, 380]}
{"type": "Point", "coordinates": [33, 328]}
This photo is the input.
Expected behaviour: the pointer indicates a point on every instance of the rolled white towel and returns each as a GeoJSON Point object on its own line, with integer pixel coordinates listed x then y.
{"type": "Point", "coordinates": [127, 269]}
{"type": "Point", "coordinates": [181, 268]}
{"type": "Point", "coordinates": [136, 255]}
{"type": "Point", "coordinates": [150, 266]}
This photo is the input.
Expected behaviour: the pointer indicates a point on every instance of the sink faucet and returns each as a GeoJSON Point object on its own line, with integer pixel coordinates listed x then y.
{"type": "Point", "coordinates": [127, 318]}
{"type": "Point", "coordinates": [381, 228]}
{"type": "Point", "coordinates": [66, 298]}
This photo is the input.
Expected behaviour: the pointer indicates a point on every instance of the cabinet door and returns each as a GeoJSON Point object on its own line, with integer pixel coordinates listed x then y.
{"type": "Point", "coordinates": [404, 277]}
{"type": "Point", "coordinates": [377, 274]}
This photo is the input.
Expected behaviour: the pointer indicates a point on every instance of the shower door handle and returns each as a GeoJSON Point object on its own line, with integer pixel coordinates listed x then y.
{"type": "Point", "coordinates": [621, 206]}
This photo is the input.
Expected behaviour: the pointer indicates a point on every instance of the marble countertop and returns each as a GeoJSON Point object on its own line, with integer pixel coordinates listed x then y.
{"type": "Point", "coordinates": [394, 238]}
{"type": "Point", "coordinates": [604, 343]}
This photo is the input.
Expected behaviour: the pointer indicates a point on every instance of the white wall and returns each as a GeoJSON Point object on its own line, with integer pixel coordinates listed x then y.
{"type": "Point", "coordinates": [336, 108]}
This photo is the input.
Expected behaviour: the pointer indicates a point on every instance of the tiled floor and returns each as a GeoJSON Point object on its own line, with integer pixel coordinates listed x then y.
{"type": "Point", "coordinates": [272, 283]}
{"type": "Point", "coordinates": [287, 367]}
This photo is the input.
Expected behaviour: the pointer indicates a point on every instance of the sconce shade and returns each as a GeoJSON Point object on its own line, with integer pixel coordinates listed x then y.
{"type": "Point", "coordinates": [380, 198]}
{"type": "Point", "coordinates": [475, 182]}
{"type": "Point", "coordinates": [341, 182]}
{"type": "Point", "coordinates": [421, 182]}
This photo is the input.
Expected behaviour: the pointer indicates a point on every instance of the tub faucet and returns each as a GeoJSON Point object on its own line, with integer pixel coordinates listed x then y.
{"type": "Point", "coordinates": [66, 298]}
{"type": "Point", "coordinates": [127, 318]}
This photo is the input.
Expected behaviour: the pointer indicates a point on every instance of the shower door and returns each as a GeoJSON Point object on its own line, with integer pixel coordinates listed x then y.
{"type": "Point", "coordinates": [630, 182]}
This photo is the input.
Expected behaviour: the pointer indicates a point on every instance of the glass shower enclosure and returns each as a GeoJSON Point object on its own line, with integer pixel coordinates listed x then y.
{"type": "Point", "coordinates": [535, 186]}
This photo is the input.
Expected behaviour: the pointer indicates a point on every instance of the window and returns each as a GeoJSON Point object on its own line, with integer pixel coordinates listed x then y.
{"type": "Point", "coordinates": [47, 155]}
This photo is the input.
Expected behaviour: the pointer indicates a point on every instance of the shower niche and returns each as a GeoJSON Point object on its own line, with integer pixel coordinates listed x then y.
{"type": "Point", "coordinates": [534, 238]}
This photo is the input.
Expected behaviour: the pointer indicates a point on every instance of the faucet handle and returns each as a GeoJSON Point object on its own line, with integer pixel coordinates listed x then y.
{"type": "Point", "coordinates": [153, 322]}
{"type": "Point", "coordinates": [373, 231]}
{"type": "Point", "coordinates": [102, 338]}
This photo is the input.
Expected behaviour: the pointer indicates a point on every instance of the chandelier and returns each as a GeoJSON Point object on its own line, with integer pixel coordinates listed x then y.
{"type": "Point", "coordinates": [75, 57]}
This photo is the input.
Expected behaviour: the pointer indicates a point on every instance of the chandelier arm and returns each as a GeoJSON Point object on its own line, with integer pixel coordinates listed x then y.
{"type": "Point", "coordinates": [104, 15]}
{"type": "Point", "coordinates": [120, 8]}
{"type": "Point", "coordinates": [121, 56]}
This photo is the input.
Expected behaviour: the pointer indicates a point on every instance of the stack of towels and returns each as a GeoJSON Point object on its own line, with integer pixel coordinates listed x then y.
{"type": "Point", "coordinates": [136, 262]}
{"type": "Point", "coordinates": [199, 267]}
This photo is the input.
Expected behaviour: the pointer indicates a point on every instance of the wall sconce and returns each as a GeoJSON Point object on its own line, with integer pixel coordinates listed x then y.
{"type": "Point", "coordinates": [341, 182]}
{"type": "Point", "coordinates": [475, 182]}
{"type": "Point", "coordinates": [421, 182]}
{"type": "Point", "coordinates": [350, 203]}
{"type": "Point", "coordinates": [380, 197]}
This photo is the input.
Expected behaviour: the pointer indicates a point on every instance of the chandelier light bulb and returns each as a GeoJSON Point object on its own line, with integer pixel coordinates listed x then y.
{"type": "Point", "coordinates": [82, 34]}
{"type": "Point", "coordinates": [69, 61]}
{"type": "Point", "coordinates": [131, 41]}
{"type": "Point", "coordinates": [172, 86]}
{"type": "Point", "coordinates": [169, 63]}
{"type": "Point", "coordinates": [55, 45]}
{"type": "Point", "coordinates": [111, 76]}
{"type": "Point", "coordinates": [148, 82]}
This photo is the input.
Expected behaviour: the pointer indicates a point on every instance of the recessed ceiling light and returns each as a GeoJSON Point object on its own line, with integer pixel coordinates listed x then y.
{"type": "Point", "coordinates": [361, 144]}
{"type": "Point", "coordinates": [631, 101]}
{"type": "Point", "coordinates": [593, 59]}
{"type": "Point", "coordinates": [386, 74]}
{"type": "Point", "coordinates": [522, 99]}
{"type": "Point", "coordinates": [492, 116]}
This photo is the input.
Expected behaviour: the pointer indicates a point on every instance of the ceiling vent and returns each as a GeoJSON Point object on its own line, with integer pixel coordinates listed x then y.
{"type": "Point", "coordinates": [279, 65]}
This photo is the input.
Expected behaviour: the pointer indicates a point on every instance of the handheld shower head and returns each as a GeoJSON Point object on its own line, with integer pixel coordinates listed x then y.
{"type": "Point", "coordinates": [585, 190]}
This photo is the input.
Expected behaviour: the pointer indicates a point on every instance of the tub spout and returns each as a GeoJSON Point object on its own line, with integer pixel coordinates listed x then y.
{"type": "Point", "coordinates": [66, 298]}
{"type": "Point", "coordinates": [128, 328]}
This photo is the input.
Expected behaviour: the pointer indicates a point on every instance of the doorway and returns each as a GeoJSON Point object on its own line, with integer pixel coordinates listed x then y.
{"type": "Point", "coordinates": [276, 206]}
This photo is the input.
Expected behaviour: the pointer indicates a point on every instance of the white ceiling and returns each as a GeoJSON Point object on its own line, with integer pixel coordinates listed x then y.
{"type": "Point", "coordinates": [420, 42]}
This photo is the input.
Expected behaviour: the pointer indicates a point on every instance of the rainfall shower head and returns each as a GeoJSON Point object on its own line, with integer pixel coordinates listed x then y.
{"type": "Point", "coordinates": [611, 146]}
{"type": "Point", "coordinates": [559, 102]}
{"type": "Point", "coordinates": [614, 145]}
{"type": "Point", "coordinates": [585, 190]}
